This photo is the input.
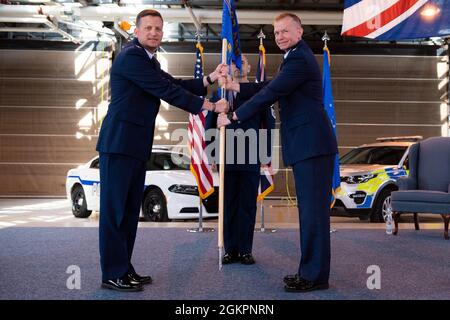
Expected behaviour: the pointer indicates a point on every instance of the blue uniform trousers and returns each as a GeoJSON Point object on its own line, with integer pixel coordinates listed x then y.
{"type": "Point", "coordinates": [241, 191]}
{"type": "Point", "coordinates": [313, 183]}
{"type": "Point", "coordinates": [122, 185]}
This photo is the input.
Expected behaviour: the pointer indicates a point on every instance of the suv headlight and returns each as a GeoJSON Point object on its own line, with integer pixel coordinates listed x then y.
{"type": "Point", "coordinates": [358, 179]}
{"type": "Point", "coordinates": [184, 189]}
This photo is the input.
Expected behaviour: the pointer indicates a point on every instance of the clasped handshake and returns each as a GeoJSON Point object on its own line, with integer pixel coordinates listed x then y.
{"type": "Point", "coordinates": [222, 106]}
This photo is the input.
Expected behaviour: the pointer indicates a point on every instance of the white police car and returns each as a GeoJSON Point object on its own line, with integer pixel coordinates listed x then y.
{"type": "Point", "coordinates": [369, 174]}
{"type": "Point", "coordinates": [170, 189]}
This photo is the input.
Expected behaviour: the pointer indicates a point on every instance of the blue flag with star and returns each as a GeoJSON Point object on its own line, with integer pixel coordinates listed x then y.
{"type": "Point", "coordinates": [328, 102]}
{"type": "Point", "coordinates": [230, 31]}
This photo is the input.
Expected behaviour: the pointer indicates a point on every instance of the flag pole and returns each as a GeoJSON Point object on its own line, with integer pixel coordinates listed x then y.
{"type": "Point", "coordinates": [198, 35]}
{"type": "Point", "coordinates": [200, 228]}
{"type": "Point", "coordinates": [222, 167]}
{"type": "Point", "coordinates": [263, 229]}
{"type": "Point", "coordinates": [261, 36]}
{"type": "Point", "coordinates": [325, 39]}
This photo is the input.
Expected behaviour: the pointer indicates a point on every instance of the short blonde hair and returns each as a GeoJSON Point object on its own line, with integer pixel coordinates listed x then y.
{"type": "Point", "coordinates": [288, 14]}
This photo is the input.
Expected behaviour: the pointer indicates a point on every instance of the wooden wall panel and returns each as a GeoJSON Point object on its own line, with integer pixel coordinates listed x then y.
{"type": "Point", "coordinates": [284, 184]}
{"type": "Point", "coordinates": [48, 92]}
{"type": "Point", "coordinates": [33, 180]}
{"type": "Point", "coordinates": [371, 66]}
{"type": "Point", "coordinates": [54, 64]}
{"type": "Point", "coordinates": [389, 112]}
{"type": "Point", "coordinates": [18, 120]}
{"type": "Point", "coordinates": [387, 90]}
{"type": "Point", "coordinates": [46, 149]}
{"type": "Point", "coordinates": [357, 135]}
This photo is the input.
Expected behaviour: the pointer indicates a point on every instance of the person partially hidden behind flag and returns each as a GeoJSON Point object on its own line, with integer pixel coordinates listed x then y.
{"type": "Point", "coordinates": [308, 145]}
{"type": "Point", "coordinates": [126, 139]}
{"type": "Point", "coordinates": [242, 175]}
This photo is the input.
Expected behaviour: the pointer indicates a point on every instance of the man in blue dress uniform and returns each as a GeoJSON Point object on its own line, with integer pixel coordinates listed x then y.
{"type": "Point", "coordinates": [242, 174]}
{"type": "Point", "coordinates": [125, 143]}
{"type": "Point", "coordinates": [308, 145]}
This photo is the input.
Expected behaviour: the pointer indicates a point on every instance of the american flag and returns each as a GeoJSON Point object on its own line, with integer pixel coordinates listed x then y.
{"type": "Point", "coordinates": [396, 19]}
{"type": "Point", "coordinates": [200, 167]}
{"type": "Point", "coordinates": [266, 184]}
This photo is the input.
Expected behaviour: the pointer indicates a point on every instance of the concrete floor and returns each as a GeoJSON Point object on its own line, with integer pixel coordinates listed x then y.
{"type": "Point", "coordinates": [56, 212]}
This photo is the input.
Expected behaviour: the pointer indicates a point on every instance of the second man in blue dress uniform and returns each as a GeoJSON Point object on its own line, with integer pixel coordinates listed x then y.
{"type": "Point", "coordinates": [242, 175]}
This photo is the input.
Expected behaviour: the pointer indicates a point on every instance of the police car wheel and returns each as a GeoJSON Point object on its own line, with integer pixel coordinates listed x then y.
{"type": "Point", "coordinates": [79, 205]}
{"type": "Point", "coordinates": [386, 207]}
{"type": "Point", "coordinates": [154, 207]}
{"type": "Point", "coordinates": [382, 206]}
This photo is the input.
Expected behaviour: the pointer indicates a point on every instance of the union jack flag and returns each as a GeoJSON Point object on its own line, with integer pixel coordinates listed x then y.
{"type": "Point", "coordinates": [266, 184]}
{"type": "Point", "coordinates": [396, 19]}
{"type": "Point", "coordinates": [200, 167]}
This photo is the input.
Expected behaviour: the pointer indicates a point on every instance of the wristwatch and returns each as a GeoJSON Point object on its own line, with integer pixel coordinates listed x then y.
{"type": "Point", "coordinates": [208, 78]}
{"type": "Point", "coordinates": [230, 116]}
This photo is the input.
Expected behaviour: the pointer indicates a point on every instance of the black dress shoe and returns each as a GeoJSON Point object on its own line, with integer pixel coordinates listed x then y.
{"type": "Point", "coordinates": [303, 285]}
{"type": "Point", "coordinates": [247, 259]}
{"type": "Point", "coordinates": [137, 279]}
{"type": "Point", "coordinates": [290, 278]}
{"type": "Point", "coordinates": [122, 284]}
{"type": "Point", "coordinates": [230, 258]}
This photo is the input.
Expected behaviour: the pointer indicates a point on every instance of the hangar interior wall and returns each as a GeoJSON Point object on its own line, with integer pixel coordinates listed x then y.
{"type": "Point", "coordinates": [49, 107]}
{"type": "Point", "coordinates": [51, 103]}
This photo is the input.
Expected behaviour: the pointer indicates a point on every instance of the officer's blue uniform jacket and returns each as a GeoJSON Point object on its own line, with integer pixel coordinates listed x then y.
{"type": "Point", "coordinates": [137, 85]}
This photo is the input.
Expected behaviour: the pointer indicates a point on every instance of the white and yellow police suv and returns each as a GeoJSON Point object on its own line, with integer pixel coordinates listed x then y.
{"type": "Point", "coordinates": [369, 174]}
{"type": "Point", "coordinates": [171, 191]}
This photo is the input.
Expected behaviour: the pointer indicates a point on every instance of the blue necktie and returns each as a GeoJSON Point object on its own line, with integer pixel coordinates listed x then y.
{"type": "Point", "coordinates": [157, 64]}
